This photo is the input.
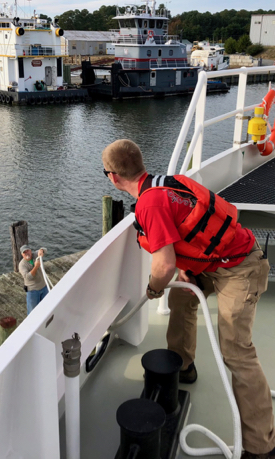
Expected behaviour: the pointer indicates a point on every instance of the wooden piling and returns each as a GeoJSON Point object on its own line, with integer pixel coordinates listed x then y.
{"type": "Point", "coordinates": [19, 237]}
{"type": "Point", "coordinates": [117, 212]}
{"type": "Point", "coordinates": [67, 73]}
{"type": "Point", "coordinates": [112, 213]}
{"type": "Point", "coordinates": [7, 326]}
{"type": "Point", "coordinates": [106, 214]}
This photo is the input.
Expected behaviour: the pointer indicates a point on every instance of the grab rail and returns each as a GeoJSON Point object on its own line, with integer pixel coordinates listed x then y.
{"type": "Point", "coordinates": [197, 107]}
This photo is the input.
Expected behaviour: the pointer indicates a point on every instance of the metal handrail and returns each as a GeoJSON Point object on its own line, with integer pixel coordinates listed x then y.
{"type": "Point", "coordinates": [198, 99]}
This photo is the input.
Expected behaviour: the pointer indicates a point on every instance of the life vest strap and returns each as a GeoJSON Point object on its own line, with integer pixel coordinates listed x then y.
{"type": "Point", "coordinates": [215, 240]}
{"type": "Point", "coordinates": [201, 225]}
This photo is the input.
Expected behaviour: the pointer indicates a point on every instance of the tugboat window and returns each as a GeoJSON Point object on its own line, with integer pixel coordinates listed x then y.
{"type": "Point", "coordinates": [184, 74]}
{"type": "Point", "coordinates": [153, 75]}
{"type": "Point", "coordinates": [159, 52]}
{"type": "Point", "coordinates": [151, 23]}
{"type": "Point", "coordinates": [149, 52]}
{"type": "Point", "coordinates": [170, 52]}
{"type": "Point", "coordinates": [140, 23]}
{"type": "Point", "coordinates": [121, 23]}
{"type": "Point", "coordinates": [159, 24]}
{"type": "Point", "coordinates": [145, 32]}
{"type": "Point", "coordinates": [129, 23]}
{"type": "Point", "coordinates": [145, 24]}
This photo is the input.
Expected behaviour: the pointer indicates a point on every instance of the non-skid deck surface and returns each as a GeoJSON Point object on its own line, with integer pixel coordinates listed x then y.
{"type": "Point", "coordinates": [256, 187]}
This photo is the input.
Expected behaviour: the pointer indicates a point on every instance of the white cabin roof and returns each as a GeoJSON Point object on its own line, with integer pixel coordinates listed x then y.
{"type": "Point", "coordinates": [85, 35]}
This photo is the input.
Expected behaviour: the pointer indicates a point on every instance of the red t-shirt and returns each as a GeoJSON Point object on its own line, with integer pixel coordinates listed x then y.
{"type": "Point", "coordinates": [160, 212]}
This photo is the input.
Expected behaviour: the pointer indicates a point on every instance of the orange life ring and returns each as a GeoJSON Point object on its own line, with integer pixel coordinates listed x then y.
{"type": "Point", "coordinates": [266, 144]}
{"type": "Point", "coordinates": [150, 33]}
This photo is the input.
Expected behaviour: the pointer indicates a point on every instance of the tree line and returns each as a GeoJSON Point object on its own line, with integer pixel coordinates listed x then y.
{"type": "Point", "coordinates": [191, 25]}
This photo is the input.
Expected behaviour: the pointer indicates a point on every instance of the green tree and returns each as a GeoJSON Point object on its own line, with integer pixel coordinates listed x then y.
{"type": "Point", "coordinates": [67, 20]}
{"type": "Point", "coordinates": [243, 43]}
{"type": "Point", "coordinates": [230, 45]}
{"type": "Point", "coordinates": [44, 16]}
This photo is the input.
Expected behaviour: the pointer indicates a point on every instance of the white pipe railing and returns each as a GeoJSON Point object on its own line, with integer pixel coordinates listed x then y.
{"type": "Point", "coordinates": [201, 84]}
{"type": "Point", "coordinates": [195, 150]}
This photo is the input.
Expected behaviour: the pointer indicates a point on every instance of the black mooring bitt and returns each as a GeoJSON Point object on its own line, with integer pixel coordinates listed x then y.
{"type": "Point", "coordinates": [143, 434]}
{"type": "Point", "coordinates": [140, 422]}
{"type": "Point", "coordinates": [162, 370]}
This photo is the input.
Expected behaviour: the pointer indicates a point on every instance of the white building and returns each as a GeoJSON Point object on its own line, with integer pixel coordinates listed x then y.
{"type": "Point", "coordinates": [87, 43]}
{"type": "Point", "coordinates": [262, 29]}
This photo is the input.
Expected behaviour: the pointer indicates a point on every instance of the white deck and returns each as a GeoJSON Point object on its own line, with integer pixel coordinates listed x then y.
{"type": "Point", "coordinates": [120, 372]}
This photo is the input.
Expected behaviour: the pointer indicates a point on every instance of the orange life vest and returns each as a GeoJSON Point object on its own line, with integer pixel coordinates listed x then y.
{"type": "Point", "coordinates": [206, 231]}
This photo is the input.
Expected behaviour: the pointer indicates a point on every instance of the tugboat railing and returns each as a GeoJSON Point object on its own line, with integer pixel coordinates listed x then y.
{"type": "Point", "coordinates": [16, 50]}
{"type": "Point", "coordinates": [155, 63]}
{"type": "Point", "coordinates": [139, 39]}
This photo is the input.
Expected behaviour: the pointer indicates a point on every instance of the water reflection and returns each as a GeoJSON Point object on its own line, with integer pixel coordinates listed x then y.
{"type": "Point", "coordinates": [50, 162]}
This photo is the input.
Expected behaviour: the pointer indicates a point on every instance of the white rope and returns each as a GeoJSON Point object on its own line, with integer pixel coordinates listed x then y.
{"type": "Point", "coordinates": [233, 452]}
{"type": "Point", "coordinates": [230, 452]}
{"type": "Point", "coordinates": [46, 279]}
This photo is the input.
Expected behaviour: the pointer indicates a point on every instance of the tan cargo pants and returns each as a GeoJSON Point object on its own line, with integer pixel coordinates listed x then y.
{"type": "Point", "coordinates": [238, 290]}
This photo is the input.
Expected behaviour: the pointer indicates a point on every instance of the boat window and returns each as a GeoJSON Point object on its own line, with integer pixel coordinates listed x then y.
{"type": "Point", "coordinates": [129, 23]}
{"type": "Point", "coordinates": [191, 74]}
{"type": "Point", "coordinates": [140, 23]}
{"type": "Point", "coordinates": [153, 74]}
{"type": "Point", "coordinates": [121, 23]}
{"type": "Point", "coordinates": [151, 23]}
{"type": "Point", "coordinates": [184, 74]}
{"type": "Point", "coordinates": [145, 24]}
{"type": "Point", "coordinates": [159, 52]}
{"type": "Point", "coordinates": [170, 52]}
{"type": "Point", "coordinates": [145, 32]}
{"type": "Point", "coordinates": [159, 24]}
{"type": "Point", "coordinates": [149, 52]}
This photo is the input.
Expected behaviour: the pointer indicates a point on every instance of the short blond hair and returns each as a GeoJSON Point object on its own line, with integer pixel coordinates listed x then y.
{"type": "Point", "coordinates": [125, 158]}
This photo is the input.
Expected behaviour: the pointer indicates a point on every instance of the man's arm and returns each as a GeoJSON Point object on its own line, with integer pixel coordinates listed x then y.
{"type": "Point", "coordinates": [162, 268]}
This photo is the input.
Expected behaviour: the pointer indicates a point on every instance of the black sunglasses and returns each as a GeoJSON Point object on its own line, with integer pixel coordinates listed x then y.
{"type": "Point", "coordinates": [108, 172]}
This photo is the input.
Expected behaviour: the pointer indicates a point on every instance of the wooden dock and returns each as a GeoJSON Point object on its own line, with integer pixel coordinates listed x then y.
{"type": "Point", "coordinates": [12, 294]}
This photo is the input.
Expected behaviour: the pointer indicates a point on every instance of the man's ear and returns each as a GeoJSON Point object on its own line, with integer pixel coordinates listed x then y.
{"type": "Point", "coordinates": [114, 177]}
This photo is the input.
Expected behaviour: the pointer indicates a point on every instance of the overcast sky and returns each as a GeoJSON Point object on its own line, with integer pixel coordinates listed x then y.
{"type": "Point", "coordinates": [53, 8]}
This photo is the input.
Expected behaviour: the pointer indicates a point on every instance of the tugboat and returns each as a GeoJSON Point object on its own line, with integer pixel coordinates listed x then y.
{"type": "Point", "coordinates": [148, 62]}
{"type": "Point", "coordinates": [31, 62]}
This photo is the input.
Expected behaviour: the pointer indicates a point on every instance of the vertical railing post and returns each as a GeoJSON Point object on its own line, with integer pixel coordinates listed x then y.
{"type": "Point", "coordinates": [71, 354]}
{"type": "Point", "coordinates": [240, 105]}
{"type": "Point", "coordinates": [199, 124]}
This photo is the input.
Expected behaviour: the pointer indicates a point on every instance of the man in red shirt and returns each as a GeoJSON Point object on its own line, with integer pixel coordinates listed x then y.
{"type": "Point", "coordinates": [185, 226]}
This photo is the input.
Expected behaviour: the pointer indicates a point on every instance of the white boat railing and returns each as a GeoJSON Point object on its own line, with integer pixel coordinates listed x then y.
{"type": "Point", "coordinates": [16, 50]}
{"type": "Point", "coordinates": [166, 63]}
{"type": "Point", "coordinates": [197, 108]}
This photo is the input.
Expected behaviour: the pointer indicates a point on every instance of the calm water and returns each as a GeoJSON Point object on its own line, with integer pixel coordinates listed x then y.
{"type": "Point", "coordinates": [50, 162]}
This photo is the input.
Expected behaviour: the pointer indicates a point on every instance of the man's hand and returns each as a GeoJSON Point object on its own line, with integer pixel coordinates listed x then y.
{"type": "Point", "coordinates": [152, 294]}
{"type": "Point", "coordinates": [40, 252]}
{"type": "Point", "coordinates": [37, 263]}
{"type": "Point", "coordinates": [182, 276]}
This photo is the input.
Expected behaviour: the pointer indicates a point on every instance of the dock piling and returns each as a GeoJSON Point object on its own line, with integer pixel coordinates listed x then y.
{"type": "Point", "coordinates": [7, 326]}
{"type": "Point", "coordinates": [19, 237]}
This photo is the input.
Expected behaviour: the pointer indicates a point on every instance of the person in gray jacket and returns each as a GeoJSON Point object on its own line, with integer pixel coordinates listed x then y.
{"type": "Point", "coordinates": [34, 282]}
